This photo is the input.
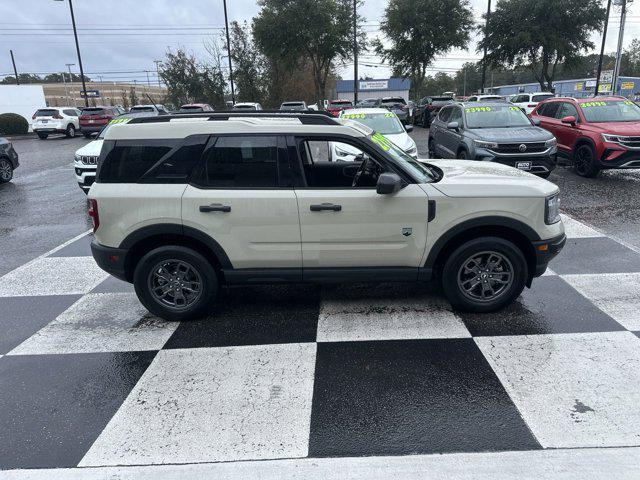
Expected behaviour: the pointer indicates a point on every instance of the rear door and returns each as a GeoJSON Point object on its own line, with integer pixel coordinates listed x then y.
{"type": "Point", "coordinates": [240, 196]}
{"type": "Point", "coordinates": [439, 127]}
{"type": "Point", "coordinates": [547, 116]}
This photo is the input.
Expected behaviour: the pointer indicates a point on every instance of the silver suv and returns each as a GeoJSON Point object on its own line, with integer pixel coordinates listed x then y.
{"type": "Point", "coordinates": [185, 204]}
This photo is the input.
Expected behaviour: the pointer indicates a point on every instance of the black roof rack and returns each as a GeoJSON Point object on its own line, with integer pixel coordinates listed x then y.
{"type": "Point", "coordinates": [306, 117]}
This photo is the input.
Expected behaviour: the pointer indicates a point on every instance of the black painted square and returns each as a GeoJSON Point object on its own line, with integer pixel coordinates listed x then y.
{"type": "Point", "coordinates": [410, 397]}
{"type": "Point", "coordinates": [255, 316]}
{"type": "Point", "coordinates": [79, 248]}
{"type": "Point", "coordinates": [21, 317]}
{"type": "Point", "coordinates": [55, 406]}
{"type": "Point", "coordinates": [113, 285]}
{"type": "Point", "coordinates": [595, 255]}
{"type": "Point", "coordinates": [550, 306]}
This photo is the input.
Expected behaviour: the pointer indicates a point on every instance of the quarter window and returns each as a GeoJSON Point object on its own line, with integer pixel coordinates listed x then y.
{"type": "Point", "coordinates": [240, 162]}
{"type": "Point", "coordinates": [549, 109]}
{"type": "Point", "coordinates": [129, 160]}
{"type": "Point", "coordinates": [445, 114]}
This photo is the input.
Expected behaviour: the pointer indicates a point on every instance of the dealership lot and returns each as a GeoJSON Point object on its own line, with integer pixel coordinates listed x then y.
{"type": "Point", "coordinates": [293, 372]}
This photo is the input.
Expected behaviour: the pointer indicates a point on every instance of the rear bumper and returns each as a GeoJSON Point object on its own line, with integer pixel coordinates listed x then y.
{"type": "Point", "coordinates": [91, 128]}
{"type": "Point", "coordinates": [49, 130]}
{"type": "Point", "coordinates": [110, 259]}
{"type": "Point", "coordinates": [547, 250]}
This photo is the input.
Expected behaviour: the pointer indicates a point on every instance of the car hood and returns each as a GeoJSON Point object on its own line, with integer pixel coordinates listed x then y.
{"type": "Point", "coordinates": [631, 129]}
{"type": "Point", "coordinates": [467, 178]}
{"type": "Point", "coordinates": [402, 140]}
{"type": "Point", "coordinates": [512, 135]}
{"type": "Point", "coordinates": [91, 148]}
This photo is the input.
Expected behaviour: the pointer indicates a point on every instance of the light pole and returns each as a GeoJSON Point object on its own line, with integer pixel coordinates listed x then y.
{"type": "Point", "coordinates": [75, 35]}
{"type": "Point", "coordinates": [623, 18]}
{"type": "Point", "coordinates": [226, 25]}
{"type": "Point", "coordinates": [15, 70]}
{"type": "Point", "coordinates": [604, 40]}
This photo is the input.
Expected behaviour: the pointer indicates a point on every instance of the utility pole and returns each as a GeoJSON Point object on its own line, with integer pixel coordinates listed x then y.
{"type": "Point", "coordinates": [66, 91]}
{"type": "Point", "coordinates": [616, 70]}
{"type": "Point", "coordinates": [484, 58]}
{"type": "Point", "coordinates": [69, 65]}
{"type": "Point", "coordinates": [15, 70]}
{"type": "Point", "coordinates": [604, 40]}
{"type": "Point", "coordinates": [226, 24]}
{"type": "Point", "coordinates": [158, 62]}
{"type": "Point", "coordinates": [75, 35]}
{"type": "Point", "coordinates": [148, 82]}
{"type": "Point", "coordinates": [355, 52]}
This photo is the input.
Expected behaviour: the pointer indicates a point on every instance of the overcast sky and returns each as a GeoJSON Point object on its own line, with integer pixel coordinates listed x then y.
{"type": "Point", "coordinates": [119, 39]}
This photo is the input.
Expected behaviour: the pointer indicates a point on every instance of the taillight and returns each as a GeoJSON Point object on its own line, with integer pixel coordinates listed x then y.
{"type": "Point", "coordinates": [93, 213]}
{"type": "Point", "coordinates": [34, 117]}
{"type": "Point", "coordinates": [57, 116]}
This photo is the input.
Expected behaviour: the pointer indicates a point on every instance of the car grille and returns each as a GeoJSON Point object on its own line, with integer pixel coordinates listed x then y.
{"type": "Point", "coordinates": [630, 142]}
{"type": "Point", "coordinates": [89, 159]}
{"type": "Point", "coordinates": [515, 147]}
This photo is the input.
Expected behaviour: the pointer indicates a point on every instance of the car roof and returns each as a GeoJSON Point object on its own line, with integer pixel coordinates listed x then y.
{"type": "Point", "coordinates": [366, 111]}
{"type": "Point", "coordinates": [245, 103]}
{"type": "Point", "coordinates": [292, 101]}
{"type": "Point", "coordinates": [599, 98]}
{"type": "Point", "coordinates": [485, 103]}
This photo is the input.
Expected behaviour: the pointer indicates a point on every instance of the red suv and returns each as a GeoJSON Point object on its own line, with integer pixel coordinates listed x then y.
{"type": "Point", "coordinates": [93, 119]}
{"type": "Point", "coordinates": [594, 133]}
{"type": "Point", "coordinates": [336, 106]}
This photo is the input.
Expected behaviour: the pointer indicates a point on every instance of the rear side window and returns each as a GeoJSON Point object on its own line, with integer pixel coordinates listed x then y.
{"type": "Point", "coordinates": [70, 113]}
{"type": "Point", "coordinates": [549, 109]}
{"type": "Point", "coordinates": [240, 162]}
{"type": "Point", "coordinates": [129, 160]}
{"type": "Point", "coordinates": [93, 111]}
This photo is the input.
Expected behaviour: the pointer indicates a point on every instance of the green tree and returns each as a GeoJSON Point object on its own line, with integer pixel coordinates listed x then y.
{"type": "Point", "coordinates": [133, 97]}
{"type": "Point", "coordinates": [541, 34]}
{"type": "Point", "coordinates": [630, 64]}
{"type": "Point", "coordinates": [248, 64]}
{"type": "Point", "coordinates": [314, 32]}
{"type": "Point", "coordinates": [415, 40]}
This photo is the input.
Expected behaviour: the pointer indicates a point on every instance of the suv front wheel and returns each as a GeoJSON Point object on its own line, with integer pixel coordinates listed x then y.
{"type": "Point", "coordinates": [176, 283]}
{"type": "Point", "coordinates": [484, 275]}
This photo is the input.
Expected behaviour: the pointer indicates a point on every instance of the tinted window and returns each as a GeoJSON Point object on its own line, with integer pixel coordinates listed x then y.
{"type": "Point", "coordinates": [142, 109]}
{"type": "Point", "coordinates": [566, 110]}
{"type": "Point", "coordinates": [48, 112]}
{"type": "Point", "coordinates": [456, 115]}
{"type": "Point", "coordinates": [549, 109]}
{"type": "Point", "coordinates": [245, 162]}
{"type": "Point", "coordinates": [177, 167]}
{"type": "Point", "coordinates": [94, 111]}
{"type": "Point", "coordinates": [70, 113]}
{"type": "Point", "coordinates": [129, 160]}
{"type": "Point", "coordinates": [445, 114]}
{"type": "Point", "coordinates": [611, 111]}
{"type": "Point", "coordinates": [540, 98]}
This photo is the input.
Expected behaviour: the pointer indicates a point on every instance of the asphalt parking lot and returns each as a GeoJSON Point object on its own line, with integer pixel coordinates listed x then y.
{"type": "Point", "coordinates": [311, 381]}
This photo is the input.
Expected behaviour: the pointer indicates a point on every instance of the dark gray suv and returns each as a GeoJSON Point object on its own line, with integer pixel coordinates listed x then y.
{"type": "Point", "coordinates": [8, 160]}
{"type": "Point", "coordinates": [492, 132]}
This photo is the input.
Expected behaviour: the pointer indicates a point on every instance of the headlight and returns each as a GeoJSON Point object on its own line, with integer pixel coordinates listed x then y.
{"type": "Point", "coordinates": [483, 144]}
{"type": "Point", "coordinates": [551, 143]}
{"type": "Point", "coordinates": [552, 209]}
{"type": "Point", "coordinates": [611, 138]}
{"type": "Point", "coordinates": [412, 151]}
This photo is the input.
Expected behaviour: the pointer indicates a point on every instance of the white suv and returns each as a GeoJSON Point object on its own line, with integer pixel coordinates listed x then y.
{"type": "Point", "coordinates": [184, 205]}
{"type": "Point", "coordinates": [56, 120]}
{"type": "Point", "coordinates": [528, 101]}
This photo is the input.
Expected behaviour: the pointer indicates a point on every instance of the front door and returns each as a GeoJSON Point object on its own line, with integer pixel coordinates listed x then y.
{"type": "Point", "coordinates": [352, 226]}
{"type": "Point", "coordinates": [565, 133]}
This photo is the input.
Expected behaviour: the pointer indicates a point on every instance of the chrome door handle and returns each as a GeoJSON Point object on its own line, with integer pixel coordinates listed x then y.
{"type": "Point", "coordinates": [215, 207]}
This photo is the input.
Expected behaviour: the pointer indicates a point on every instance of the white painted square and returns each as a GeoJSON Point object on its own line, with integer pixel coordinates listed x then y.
{"type": "Point", "coordinates": [415, 316]}
{"type": "Point", "coordinates": [52, 276]}
{"type": "Point", "coordinates": [616, 294]}
{"type": "Point", "coordinates": [573, 390]}
{"type": "Point", "coordinates": [549, 273]}
{"type": "Point", "coordinates": [213, 405]}
{"type": "Point", "coordinates": [576, 229]}
{"type": "Point", "coordinates": [100, 322]}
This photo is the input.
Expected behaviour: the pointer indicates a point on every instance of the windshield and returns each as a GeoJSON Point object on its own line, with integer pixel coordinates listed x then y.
{"type": "Point", "coordinates": [385, 123]}
{"type": "Point", "coordinates": [142, 109]}
{"type": "Point", "coordinates": [244, 107]}
{"type": "Point", "coordinates": [46, 113]}
{"type": "Point", "coordinates": [496, 116]}
{"type": "Point", "coordinates": [611, 111]}
{"type": "Point", "coordinates": [422, 172]}
{"type": "Point", "coordinates": [191, 109]}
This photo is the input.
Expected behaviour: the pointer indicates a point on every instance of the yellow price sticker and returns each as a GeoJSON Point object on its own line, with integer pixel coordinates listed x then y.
{"type": "Point", "coordinates": [381, 141]}
{"type": "Point", "coordinates": [119, 120]}
{"type": "Point", "coordinates": [593, 104]}
{"type": "Point", "coordinates": [478, 109]}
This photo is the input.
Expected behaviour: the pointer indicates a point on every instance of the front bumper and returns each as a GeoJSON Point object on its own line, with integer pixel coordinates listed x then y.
{"type": "Point", "coordinates": [547, 250]}
{"type": "Point", "coordinates": [85, 175]}
{"type": "Point", "coordinates": [618, 158]}
{"type": "Point", "coordinates": [110, 259]}
{"type": "Point", "coordinates": [540, 163]}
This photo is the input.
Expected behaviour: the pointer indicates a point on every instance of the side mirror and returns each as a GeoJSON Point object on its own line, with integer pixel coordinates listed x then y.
{"type": "Point", "coordinates": [388, 183]}
{"type": "Point", "coordinates": [408, 128]}
{"type": "Point", "coordinates": [535, 122]}
{"type": "Point", "coordinates": [453, 125]}
{"type": "Point", "coordinates": [571, 120]}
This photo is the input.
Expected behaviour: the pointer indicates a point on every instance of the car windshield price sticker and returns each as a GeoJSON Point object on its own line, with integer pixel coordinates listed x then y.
{"type": "Point", "coordinates": [593, 104]}
{"type": "Point", "coordinates": [119, 120]}
{"type": "Point", "coordinates": [381, 141]}
{"type": "Point", "coordinates": [478, 109]}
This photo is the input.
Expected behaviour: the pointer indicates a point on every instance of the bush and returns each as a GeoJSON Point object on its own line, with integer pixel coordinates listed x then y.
{"type": "Point", "coordinates": [13, 124]}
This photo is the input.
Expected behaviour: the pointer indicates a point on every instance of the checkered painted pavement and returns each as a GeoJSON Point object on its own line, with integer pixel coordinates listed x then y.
{"type": "Point", "coordinates": [88, 378]}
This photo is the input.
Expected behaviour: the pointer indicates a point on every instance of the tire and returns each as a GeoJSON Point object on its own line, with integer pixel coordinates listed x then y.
{"type": "Point", "coordinates": [87, 135]}
{"type": "Point", "coordinates": [201, 271]}
{"type": "Point", "coordinates": [70, 132]}
{"type": "Point", "coordinates": [43, 136]}
{"type": "Point", "coordinates": [432, 148]}
{"type": "Point", "coordinates": [6, 170]}
{"type": "Point", "coordinates": [464, 290]}
{"type": "Point", "coordinates": [462, 155]}
{"type": "Point", "coordinates": [585, 162]}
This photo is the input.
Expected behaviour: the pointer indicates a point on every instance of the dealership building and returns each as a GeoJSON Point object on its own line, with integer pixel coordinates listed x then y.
{"type": "Point", "coordinates": [374, 88]}
{"type": "Point", "coordinates": [584, 87]}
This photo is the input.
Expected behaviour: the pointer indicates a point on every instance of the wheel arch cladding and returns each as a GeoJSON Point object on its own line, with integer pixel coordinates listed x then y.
{"type": "Point", "coordinates": [512, 230]}
{"type": "Point", "coordinates": [141, 241]}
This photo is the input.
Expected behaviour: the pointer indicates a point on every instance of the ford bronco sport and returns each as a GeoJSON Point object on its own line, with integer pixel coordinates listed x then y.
{"type": "Point", "coordinates": [184, 204]}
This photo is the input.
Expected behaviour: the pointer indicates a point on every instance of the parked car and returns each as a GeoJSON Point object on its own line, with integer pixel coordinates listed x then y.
{"type": "Point", "coordinates": [381, 121]}
{"type": "Point", "coordinates": [50, 120]}
{"type": "Point", "coordinates": [150, 108]}
{"type": "Point", "coordinates": [397, 105]}
{"type": "Point", "coordinates": [428, 108]}
{"type": "Point", "coordinates": [593, 133]}
{"type": "Point", "coordinates": [247, 106]}
{"type": "Point", "coordinates": [367, 103]}
{"type": "Point", "coordinates": [294, 105]}
{"type": "Point", "coordinates": [205, 210]}
{"type": "Point", "coordinates": [85, 162]}
{"type": "Point", "coordinates": [93, 119]}
{"type": "Point", "coordinates": [492, 132]}
{"type": "Point", "coordinates": [529, 101]}
{"type": "Point", "coordinates": [486, 98]}
{"type": "Point", "coordinates": [195, 108]}
{"type": "Point", "coordinates": [334, 107]}
{"type": "Point", "coordinates": [8, 160]}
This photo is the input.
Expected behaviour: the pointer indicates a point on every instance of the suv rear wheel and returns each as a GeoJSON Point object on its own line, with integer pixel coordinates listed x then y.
{"type": "Point", "coordinates": [71, 131]}
{"type": "Point", "coordinates": [176, 283]}
{"type": "Point", "coordinates": [484, 275]}
{"type": "Point", "coordinates": [6, 170]}
{"type": "Point", "coordinates": [585, 163]}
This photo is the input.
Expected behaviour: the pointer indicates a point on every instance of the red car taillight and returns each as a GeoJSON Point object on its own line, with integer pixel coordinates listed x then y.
{"type": "Point", "coordinates": [93, 213]}
{"type": "Point", "coordinates": [532, 105]}
{"type": "Point", "coordinates": [33, 117]}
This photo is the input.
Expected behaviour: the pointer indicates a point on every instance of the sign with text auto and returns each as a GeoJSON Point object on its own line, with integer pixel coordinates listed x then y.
{"type": "Point", "coordinates": [373, 85]}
